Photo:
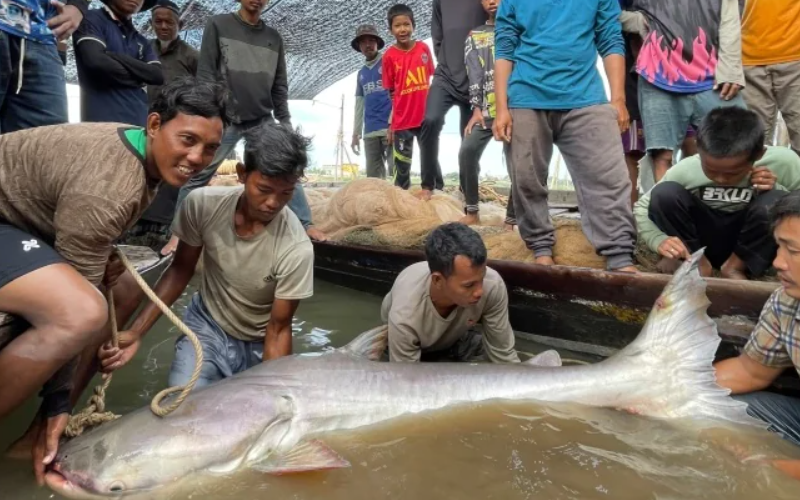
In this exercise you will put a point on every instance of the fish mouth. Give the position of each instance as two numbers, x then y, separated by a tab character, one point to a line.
70	488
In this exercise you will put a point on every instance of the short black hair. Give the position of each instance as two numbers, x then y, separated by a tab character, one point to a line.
276	150
450	240
785	208
190	96
400	9
731	131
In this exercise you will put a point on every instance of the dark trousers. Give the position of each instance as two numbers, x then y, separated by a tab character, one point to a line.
469	164
782	413
403	154
440	100
380	159
36	97
745	232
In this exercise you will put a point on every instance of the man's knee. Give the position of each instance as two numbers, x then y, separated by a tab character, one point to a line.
667	196
759	209
661	155
77	325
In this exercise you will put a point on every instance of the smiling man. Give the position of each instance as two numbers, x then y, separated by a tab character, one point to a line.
84	185
719	199
774	346
435	307
258	264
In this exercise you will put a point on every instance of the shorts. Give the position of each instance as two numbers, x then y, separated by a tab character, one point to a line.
633	138
22	254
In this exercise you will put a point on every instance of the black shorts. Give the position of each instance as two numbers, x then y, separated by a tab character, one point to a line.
22	253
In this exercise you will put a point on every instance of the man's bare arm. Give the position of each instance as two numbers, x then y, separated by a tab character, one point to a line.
278	340
743	375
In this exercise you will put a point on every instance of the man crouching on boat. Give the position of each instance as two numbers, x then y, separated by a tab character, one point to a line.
258	263
775	343
434	306
67	192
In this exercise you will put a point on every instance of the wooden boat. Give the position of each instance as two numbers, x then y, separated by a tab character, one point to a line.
146	261
581	310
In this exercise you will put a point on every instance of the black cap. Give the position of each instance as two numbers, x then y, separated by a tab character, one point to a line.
146	5
166	4
366	30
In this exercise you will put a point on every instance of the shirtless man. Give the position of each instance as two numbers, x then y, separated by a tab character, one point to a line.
83	186
434	306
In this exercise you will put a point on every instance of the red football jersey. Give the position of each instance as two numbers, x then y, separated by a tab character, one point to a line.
407	74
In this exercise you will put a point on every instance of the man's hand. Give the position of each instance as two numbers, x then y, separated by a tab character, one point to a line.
46	445
114	269
477	117
727	91
763	179
673	248
356	144
66	22
623	118
113	358
502	126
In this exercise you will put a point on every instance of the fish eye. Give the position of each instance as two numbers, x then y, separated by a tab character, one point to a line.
116	487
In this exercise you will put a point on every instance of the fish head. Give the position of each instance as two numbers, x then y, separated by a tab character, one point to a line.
119	461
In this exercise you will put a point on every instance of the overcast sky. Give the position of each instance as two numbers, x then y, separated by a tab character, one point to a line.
321	122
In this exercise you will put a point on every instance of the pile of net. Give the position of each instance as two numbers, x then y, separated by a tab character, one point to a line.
374	212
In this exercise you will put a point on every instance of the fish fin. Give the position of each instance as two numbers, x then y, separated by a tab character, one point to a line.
549	358
307	456
675	351
369	344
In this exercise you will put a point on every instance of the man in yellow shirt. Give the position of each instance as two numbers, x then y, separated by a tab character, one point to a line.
771	57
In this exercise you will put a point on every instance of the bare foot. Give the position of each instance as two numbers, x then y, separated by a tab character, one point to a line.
509	227
425	194
170	247
545	260
627	269
668	266
471	219
315	234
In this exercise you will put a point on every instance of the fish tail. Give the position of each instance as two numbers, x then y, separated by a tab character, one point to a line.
676	350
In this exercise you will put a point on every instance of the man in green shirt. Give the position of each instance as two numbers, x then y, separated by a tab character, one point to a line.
720	198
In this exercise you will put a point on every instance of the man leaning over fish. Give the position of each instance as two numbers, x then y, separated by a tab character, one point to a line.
434	307
258	265
774	345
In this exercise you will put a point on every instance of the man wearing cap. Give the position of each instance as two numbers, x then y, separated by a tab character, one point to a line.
373	105
177	57
115	63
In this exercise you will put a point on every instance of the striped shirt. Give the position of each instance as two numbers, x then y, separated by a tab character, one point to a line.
775	342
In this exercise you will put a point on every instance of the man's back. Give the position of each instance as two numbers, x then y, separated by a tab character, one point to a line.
251	61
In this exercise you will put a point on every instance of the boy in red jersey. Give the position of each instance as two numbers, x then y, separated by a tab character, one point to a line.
407	69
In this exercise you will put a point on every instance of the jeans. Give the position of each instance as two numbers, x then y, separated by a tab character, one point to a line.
37	96
223	355
782	413
233	134
440	100
380	157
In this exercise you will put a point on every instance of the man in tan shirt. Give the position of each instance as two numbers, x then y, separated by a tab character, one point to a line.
434	307
258	264
67	192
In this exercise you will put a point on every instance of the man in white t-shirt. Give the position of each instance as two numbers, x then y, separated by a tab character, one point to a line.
435	307
258	265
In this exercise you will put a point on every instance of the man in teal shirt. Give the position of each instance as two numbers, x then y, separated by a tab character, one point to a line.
720	198
548	91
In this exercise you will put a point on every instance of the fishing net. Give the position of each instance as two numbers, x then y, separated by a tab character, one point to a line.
374	212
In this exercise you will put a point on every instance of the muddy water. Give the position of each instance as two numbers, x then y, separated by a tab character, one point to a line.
503	451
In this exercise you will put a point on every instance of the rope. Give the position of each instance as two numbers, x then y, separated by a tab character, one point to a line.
94	414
